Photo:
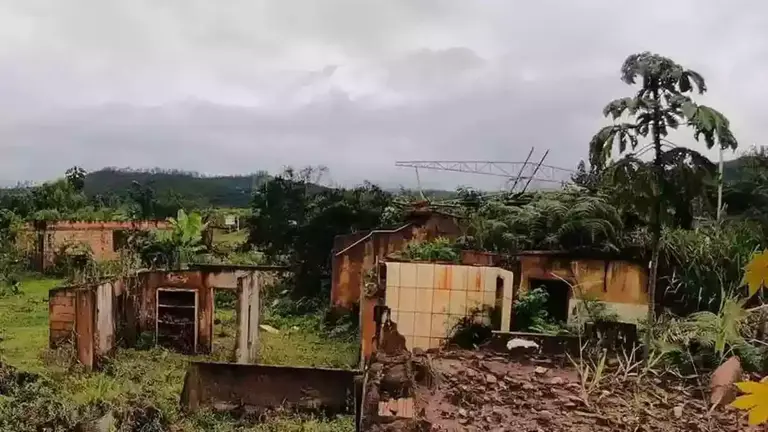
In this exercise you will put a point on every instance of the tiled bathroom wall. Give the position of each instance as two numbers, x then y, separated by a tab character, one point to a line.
428	300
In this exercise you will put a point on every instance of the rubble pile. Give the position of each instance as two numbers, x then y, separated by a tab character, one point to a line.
481	391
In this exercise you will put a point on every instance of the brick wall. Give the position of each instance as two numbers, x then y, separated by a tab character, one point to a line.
98	236
61	315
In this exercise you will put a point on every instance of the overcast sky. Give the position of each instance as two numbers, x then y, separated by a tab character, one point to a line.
239	86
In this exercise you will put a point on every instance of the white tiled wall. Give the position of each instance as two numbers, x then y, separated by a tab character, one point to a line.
427	300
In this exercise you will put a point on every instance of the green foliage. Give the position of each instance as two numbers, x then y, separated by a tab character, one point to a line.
439	249
661	104
531	310
689	180
184	240
140	387
566	220
705	339
698	264
75	176
294	222
745	193
173	188
591	310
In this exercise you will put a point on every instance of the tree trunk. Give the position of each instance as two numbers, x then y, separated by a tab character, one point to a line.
655	222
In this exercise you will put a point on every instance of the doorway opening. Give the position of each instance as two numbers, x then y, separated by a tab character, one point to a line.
558	296
224	324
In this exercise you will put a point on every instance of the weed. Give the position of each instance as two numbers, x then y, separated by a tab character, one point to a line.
474	329
591	372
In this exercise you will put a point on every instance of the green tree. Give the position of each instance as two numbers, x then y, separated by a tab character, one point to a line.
661	104
294	221
76	178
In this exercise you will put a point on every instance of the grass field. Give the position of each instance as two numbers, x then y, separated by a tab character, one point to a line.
154	376
233	238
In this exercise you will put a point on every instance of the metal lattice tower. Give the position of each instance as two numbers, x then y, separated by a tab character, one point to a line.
520	175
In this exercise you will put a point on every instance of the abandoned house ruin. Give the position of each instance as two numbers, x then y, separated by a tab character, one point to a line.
354	255
43	240
174	308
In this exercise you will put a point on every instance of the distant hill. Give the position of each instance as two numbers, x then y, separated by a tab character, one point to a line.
733	169
214	191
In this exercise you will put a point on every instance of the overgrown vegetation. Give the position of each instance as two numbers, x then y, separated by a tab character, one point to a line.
661	211
439	249
138	387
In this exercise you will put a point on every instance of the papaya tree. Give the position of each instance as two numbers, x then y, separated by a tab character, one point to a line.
642	122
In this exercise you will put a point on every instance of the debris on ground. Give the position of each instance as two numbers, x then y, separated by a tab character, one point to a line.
722	388
484	391
269	329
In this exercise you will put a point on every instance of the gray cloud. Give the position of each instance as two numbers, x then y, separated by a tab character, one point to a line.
241	85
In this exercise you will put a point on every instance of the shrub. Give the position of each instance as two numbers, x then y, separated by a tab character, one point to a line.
439	249
531	310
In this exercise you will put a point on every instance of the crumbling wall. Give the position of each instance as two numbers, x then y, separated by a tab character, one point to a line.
61	316
100	315
43	240
84	315
428	300
146	301
389	400
356	254
622	285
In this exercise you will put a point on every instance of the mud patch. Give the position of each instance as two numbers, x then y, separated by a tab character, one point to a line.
480	391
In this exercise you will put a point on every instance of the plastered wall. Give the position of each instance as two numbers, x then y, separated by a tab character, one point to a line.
621	285
427	300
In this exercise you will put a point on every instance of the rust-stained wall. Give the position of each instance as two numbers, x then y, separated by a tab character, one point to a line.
427	300
85	315
99	315
146	297
355	254
622	285
267	387
42	241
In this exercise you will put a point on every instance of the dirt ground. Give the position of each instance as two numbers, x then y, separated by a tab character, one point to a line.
484	391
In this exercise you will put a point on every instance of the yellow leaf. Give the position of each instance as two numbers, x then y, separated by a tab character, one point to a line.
755	400
756	272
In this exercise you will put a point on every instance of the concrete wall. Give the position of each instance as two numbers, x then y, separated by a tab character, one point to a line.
267	387
622	285
428	300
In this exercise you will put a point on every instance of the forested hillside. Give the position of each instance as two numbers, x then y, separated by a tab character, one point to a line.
197	190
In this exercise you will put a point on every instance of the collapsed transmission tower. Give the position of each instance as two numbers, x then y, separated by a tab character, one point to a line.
520	175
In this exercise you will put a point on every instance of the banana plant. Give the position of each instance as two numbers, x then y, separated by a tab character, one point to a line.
184	239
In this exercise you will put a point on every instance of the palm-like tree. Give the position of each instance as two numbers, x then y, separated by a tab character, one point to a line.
662	103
